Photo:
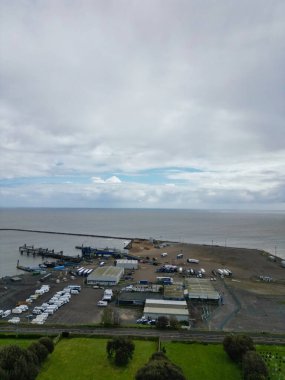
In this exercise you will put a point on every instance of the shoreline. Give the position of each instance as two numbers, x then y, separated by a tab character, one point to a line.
132	239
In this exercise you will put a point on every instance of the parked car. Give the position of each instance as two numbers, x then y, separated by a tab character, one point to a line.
102	303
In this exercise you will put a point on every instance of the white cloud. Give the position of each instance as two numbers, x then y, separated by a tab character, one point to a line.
113	179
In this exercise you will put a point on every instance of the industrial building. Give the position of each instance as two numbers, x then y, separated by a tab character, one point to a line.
157	308
136	298
174	292
200	289
105	276
127	264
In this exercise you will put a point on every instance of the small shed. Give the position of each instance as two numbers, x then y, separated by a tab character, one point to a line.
105	276
127	264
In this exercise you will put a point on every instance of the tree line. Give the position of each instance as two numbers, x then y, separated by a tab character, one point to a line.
241	349
17	363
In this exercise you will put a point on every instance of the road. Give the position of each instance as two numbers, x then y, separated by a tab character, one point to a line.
177	335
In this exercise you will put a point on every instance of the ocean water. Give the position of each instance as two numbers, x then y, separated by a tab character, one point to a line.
261	230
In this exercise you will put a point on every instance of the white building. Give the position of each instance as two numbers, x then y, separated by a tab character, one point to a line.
105	276
127	264
156	308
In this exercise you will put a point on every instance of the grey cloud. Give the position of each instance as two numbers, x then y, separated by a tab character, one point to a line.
130	85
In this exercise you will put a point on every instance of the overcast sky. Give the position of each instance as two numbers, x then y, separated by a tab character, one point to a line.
143	103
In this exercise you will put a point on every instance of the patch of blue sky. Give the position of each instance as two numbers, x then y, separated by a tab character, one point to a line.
21	181
148	176
156	175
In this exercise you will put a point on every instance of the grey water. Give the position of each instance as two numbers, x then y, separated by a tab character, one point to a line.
248	229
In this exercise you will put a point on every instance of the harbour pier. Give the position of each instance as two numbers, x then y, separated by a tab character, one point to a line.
45	252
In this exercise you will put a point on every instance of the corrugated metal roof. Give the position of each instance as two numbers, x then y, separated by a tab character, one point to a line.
174	291
169	303
106	271
164	311
125	261
201	289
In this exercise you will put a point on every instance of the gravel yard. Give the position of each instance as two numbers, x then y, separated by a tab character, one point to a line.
249	303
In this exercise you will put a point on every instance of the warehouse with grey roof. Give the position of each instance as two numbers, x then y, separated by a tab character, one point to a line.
107	275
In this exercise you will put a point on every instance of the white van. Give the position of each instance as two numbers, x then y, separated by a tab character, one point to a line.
17	310
6	313
164	254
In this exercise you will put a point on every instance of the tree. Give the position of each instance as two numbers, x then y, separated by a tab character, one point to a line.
39	350
159	368
253	366
121	350
110	317
237	345
162	322
48	343
15	364
3	374
174	323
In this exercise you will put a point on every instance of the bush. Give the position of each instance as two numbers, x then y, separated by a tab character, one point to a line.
162	322
65	334
159	368
110	317
237	345
121	350
48	343
16	364
39	350
254	366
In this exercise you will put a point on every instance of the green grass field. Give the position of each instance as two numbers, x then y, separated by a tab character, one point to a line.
19	342
274	357
199	361
86	359
83	358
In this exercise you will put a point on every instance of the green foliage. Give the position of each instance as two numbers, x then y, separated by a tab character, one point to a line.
48	343
110	317
15	364
173	322
254	366
121	350
3	374
237	345
39	350
162	322
65	334
273	356
160	368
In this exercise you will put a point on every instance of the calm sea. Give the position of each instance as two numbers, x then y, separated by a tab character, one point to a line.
262	230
